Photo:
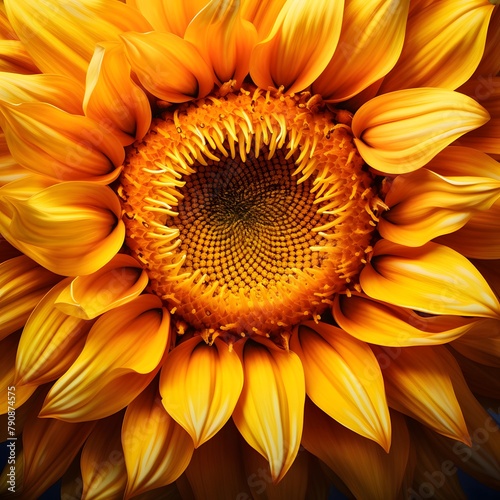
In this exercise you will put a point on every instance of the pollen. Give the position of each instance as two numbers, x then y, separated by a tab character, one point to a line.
249	210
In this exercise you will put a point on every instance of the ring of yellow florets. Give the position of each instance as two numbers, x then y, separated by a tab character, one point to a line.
210	199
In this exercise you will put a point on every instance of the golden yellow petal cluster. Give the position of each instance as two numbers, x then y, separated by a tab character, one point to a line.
249	248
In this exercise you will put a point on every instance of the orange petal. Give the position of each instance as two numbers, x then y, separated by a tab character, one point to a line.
60	91
485	138
418	384
262	14
112	98
200	385
10	170
23	283
431	278
490	63
385	324
51	341
221	457
172	16
219	29
401	131
49	448
365	468
480	237
424	205
51	142
113	367
102	462
8	347
60	36
157	450
269	413
70	228
369	46
15	59
343	379
168	66
118	282
443	46
299	47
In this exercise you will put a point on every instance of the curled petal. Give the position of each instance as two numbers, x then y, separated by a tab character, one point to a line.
302	41
49	447
63	146
60	91
365	468
116	283
262	14
112	362
168	66
418	384
200	386
70	228
50	342
157	450
15	59
8	347
60	35
171	16
480	237
399	132
219	29
431	278
424	205
23	284
102	463
269	413
112	98
344	380
443	46
369	46
385	324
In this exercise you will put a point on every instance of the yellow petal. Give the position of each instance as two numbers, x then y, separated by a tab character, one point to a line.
220	457
431	278
118	282
172	16
424	205
219	29
269	413
60	35
70	228
401	131
23	284
344	380
15	59
10	170
6	31
157	450
300	45
60	91
480	237
418	384
262	14
369	46
113	367
102	462
482	343
443	45
50	342
365	468
49	447
112	98
200	386
168	66
51	142
21	394
385	324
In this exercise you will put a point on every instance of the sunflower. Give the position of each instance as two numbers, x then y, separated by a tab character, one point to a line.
250	249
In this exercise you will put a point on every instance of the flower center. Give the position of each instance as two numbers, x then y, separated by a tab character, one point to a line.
249	210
